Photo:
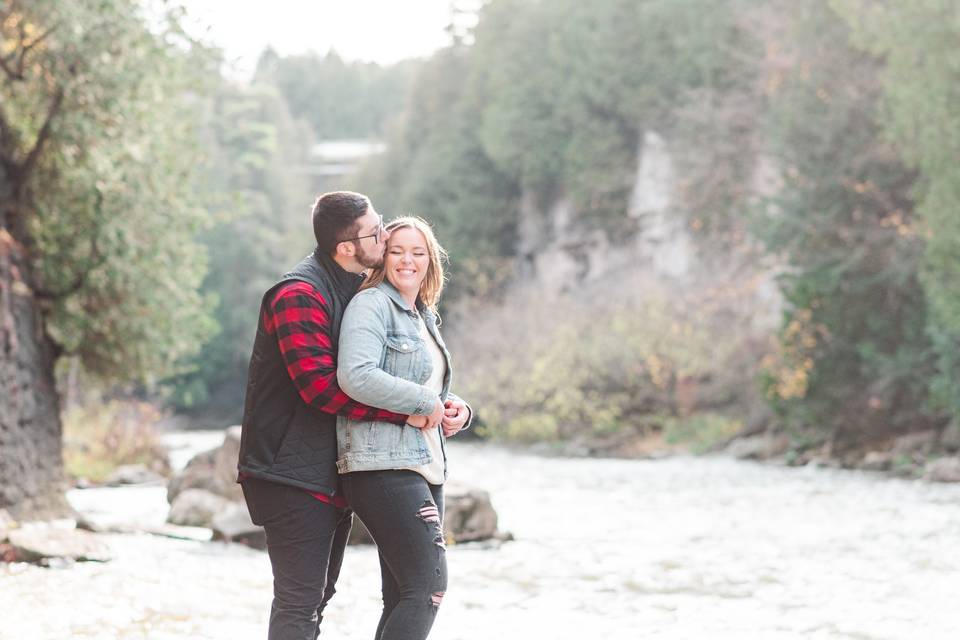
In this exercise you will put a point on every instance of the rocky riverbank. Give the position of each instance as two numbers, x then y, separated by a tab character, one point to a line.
672	548
931	455
205	503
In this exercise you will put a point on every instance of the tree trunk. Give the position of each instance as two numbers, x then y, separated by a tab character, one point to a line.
31	463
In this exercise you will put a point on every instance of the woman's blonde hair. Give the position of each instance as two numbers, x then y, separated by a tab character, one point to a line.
432	284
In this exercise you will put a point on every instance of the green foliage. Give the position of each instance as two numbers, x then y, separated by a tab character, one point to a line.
921	80
616	362
700	432
339	99
260	211
551	96
854	352
106	209
101	436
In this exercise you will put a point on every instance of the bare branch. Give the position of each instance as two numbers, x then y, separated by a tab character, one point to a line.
43	36
5	66
26	46
27	166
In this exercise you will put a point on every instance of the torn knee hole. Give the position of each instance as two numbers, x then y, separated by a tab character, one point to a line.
429	513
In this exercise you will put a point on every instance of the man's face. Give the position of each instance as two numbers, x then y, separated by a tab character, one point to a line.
371	242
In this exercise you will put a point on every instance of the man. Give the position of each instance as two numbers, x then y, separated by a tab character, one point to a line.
288	446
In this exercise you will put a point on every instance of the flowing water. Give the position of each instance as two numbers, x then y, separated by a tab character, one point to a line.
681	548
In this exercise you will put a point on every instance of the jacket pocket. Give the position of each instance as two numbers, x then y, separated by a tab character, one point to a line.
405	357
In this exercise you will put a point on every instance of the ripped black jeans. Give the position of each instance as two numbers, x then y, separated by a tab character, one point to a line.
404	514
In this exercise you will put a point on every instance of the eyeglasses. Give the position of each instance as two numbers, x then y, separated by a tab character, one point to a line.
375	235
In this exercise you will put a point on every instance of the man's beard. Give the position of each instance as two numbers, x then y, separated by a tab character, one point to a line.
368	261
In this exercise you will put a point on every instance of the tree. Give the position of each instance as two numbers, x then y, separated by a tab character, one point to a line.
921	91
260	209
97	259
856	357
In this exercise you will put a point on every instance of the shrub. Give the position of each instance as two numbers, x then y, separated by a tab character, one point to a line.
101	436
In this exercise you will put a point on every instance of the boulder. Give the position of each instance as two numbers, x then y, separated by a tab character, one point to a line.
760	447
6	524
133	474
225	461
214	471
468	514
198	474
197	508
921	442
950	437
877	461
205	494
359	533
234	525
42	542
943	470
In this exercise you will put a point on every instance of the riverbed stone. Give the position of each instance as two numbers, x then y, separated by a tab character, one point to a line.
214	470
943	470
42	542
225	462
197	508
920	443
359	533
197	474
950	437
877	461
133	474
6	524
468	514
759	447
234	525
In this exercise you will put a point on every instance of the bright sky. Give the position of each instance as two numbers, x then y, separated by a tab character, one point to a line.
383	31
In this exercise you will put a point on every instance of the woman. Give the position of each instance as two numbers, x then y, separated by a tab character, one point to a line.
391	353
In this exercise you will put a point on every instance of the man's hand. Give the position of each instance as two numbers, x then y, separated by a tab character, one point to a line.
428	421
455	415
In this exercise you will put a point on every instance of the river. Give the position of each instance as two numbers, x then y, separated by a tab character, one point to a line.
679	548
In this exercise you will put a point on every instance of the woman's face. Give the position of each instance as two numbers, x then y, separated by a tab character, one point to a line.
407	260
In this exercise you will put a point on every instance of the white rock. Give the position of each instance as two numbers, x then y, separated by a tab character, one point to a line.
38	542
197	508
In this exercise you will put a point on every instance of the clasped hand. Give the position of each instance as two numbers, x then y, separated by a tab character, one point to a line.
451	415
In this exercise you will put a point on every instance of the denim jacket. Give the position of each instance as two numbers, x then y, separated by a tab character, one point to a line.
383	362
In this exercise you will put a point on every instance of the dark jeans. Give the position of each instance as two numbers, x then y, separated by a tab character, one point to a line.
404	514
305	540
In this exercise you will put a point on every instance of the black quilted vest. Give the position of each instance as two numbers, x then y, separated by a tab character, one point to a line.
284	439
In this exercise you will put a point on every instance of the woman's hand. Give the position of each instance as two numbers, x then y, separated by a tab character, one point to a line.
428	421
420	422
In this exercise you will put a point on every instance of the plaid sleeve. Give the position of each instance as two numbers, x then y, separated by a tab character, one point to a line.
297	316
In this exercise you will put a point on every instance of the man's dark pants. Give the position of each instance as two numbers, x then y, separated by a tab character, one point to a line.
306	539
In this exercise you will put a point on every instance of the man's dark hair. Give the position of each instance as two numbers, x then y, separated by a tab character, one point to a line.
335	217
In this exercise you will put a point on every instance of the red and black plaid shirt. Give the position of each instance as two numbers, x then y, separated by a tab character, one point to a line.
297	315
